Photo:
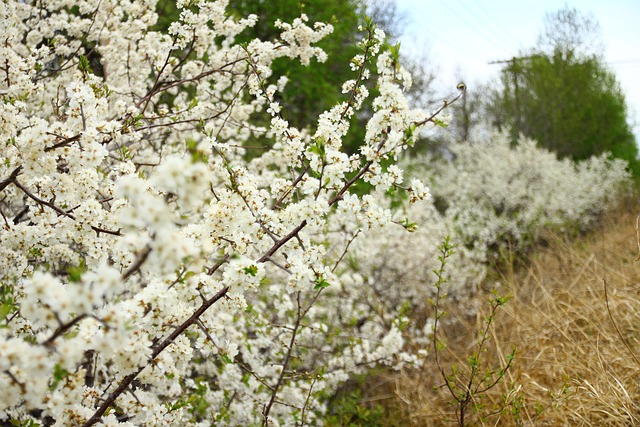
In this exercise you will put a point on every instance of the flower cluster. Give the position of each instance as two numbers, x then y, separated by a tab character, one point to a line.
152	273
497	195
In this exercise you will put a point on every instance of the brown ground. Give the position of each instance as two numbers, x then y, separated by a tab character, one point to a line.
578	349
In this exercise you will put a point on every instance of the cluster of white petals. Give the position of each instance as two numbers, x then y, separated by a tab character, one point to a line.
151	274
490	197
500	195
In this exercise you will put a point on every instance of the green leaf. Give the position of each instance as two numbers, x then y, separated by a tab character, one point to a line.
251	270
84	65
5	309
439	122
76	272
59	374
245	379
410	226
321	284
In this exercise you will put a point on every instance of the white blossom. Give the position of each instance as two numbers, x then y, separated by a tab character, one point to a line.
152	264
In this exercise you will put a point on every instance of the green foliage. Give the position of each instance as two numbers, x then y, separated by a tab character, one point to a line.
28	423
321	283
195	402
314	89
310	89
59	373
84	66
565	99
75	272
8	303
569	105
251	270
347	409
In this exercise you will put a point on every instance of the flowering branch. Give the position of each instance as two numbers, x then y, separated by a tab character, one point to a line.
156	149
126	381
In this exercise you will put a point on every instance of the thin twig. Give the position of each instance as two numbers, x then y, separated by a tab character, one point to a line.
62	329
137	264
346	249
59	210
6	222
64	141
285	364
293	185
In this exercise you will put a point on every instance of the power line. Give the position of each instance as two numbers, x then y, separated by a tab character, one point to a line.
624	61
493	22
483	31
616	62
513	60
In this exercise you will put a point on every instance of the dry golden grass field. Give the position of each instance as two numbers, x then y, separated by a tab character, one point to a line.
574	320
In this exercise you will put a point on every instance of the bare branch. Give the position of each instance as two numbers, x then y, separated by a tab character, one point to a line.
59	210
285	364
137	264
11	178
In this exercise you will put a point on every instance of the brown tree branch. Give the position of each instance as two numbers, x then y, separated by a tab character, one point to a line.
137	264
159	348
11	178
285	364
59	210
62	329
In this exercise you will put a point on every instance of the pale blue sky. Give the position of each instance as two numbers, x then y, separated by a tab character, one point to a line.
460	37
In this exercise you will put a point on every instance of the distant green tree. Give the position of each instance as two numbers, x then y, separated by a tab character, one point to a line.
566	99
312	90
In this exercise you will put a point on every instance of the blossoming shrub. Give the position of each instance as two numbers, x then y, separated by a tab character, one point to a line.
494	194
489	198
397	267
151	274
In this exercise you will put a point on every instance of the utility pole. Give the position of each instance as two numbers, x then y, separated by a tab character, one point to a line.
515	70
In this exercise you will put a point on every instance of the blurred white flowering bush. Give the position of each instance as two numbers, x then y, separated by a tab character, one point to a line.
489	197
150	274
495	195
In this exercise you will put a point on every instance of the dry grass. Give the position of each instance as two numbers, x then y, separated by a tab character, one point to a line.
578	349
